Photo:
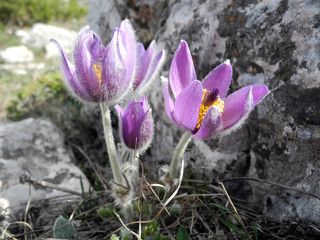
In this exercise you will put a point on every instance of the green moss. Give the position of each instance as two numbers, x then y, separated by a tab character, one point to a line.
8	40
34	93
46	86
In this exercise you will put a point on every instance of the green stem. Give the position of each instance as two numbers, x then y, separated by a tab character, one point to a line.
181	147
111	147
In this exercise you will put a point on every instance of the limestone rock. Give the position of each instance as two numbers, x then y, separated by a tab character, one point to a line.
103	18
17	54
275	43
40	34
21	68
36	148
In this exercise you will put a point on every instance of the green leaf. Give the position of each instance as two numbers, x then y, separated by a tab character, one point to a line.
125	234
224	209
151	229
255	232
220	207
63	229
182	234
106	212
114	237
81	184
228	223
175	209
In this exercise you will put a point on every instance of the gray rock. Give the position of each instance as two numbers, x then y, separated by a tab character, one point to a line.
17	54
275	43
36	148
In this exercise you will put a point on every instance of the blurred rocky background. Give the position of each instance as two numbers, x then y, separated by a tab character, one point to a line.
276	43
37	117
271	42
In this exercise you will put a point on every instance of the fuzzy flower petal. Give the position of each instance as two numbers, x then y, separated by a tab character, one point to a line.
182	71
70	76
118	67
101	74
149	63
219	78
202	107
83	62
144	59
211	125
239	104
169	104
187	105
136	124
153	69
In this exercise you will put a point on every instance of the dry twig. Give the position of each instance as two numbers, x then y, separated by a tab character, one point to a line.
271	183
24	178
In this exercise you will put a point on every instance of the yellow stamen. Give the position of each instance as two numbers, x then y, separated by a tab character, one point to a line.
98	71
206	104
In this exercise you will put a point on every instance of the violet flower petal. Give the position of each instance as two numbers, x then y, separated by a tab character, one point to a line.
119	110
143	63
136	124
129	128
83	63
140	51
112	69
239	104
182	70
258	93
187	105
169	104
153	69
133	117
211	125
127	50
70	76
97	51
146	132
154	66
118	64
219	78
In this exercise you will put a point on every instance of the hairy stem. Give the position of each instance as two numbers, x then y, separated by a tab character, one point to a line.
135	160
111	147
181	147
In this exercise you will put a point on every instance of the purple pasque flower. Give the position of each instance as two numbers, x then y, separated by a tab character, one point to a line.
202	107
100	74
136	124
148	64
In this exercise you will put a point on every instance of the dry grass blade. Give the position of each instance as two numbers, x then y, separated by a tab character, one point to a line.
26	211
235	210
157	196
179	185
140	226
4	231
161	210
125	226
75	209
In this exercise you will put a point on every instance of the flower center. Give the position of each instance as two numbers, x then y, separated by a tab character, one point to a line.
98	70
209	98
